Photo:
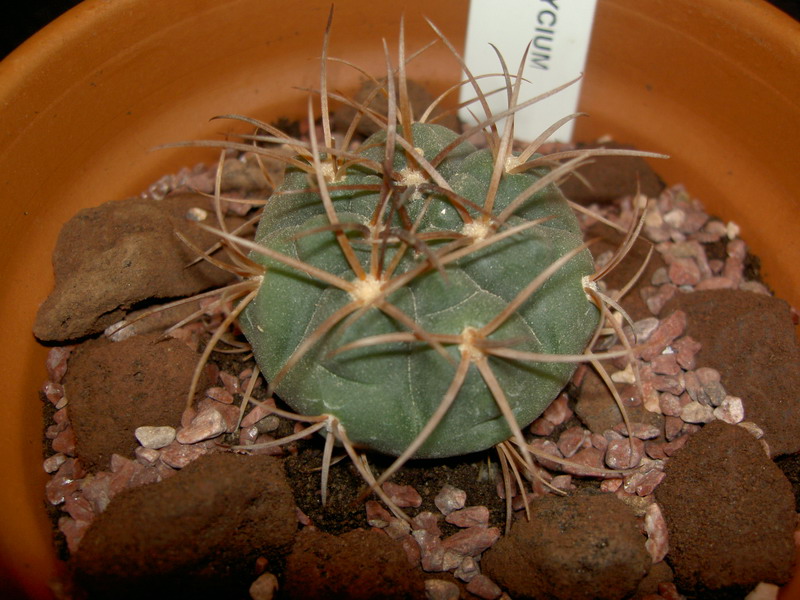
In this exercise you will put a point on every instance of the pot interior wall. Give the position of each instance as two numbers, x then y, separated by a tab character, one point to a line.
83	102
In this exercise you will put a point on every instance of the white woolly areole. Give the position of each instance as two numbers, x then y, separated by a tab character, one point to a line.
512	162
467	347
477	230
329	173
366	290
412	177
590	284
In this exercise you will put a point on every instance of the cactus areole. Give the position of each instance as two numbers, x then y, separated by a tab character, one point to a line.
385	389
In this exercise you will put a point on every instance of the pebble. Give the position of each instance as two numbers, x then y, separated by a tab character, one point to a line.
643	431
220	394
684	271
467	570
178	455
667	331
154	437
753	429
625	453
610	485
644	328
52	463
146	456
686	349
264	588
542	427
730	410
666	364
546	447
79	508
694	388
694	412
645	481
473	516
626	375
599	441
54	392
64	442
56	362
707	375
571	440
248	436
667	383
73	531
563	482
411	548
431	553
559	411
672	447
715	392
258	412
587	457
670	404
230	415
397	529
657	544
715	283
208	423
439	589
230	382
377	515
472	540
428	521
655	450
672	427
450	499
403	496
483	587
658	299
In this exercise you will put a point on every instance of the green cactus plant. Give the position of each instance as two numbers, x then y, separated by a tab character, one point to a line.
384	394
418	296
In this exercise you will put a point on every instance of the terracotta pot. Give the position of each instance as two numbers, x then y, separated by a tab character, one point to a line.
82	102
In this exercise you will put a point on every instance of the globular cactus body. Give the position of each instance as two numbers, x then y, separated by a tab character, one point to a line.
384	393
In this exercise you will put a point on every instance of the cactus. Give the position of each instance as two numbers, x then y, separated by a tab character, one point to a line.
384	393
417	296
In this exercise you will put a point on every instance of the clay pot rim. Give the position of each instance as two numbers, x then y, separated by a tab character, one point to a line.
47	58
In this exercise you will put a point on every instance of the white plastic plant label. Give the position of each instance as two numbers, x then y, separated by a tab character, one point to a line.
559	32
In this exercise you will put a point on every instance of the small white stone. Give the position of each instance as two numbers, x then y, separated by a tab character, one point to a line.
625	376
264	587
694	412
196	214
675	218
731	410
154	437
732	230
